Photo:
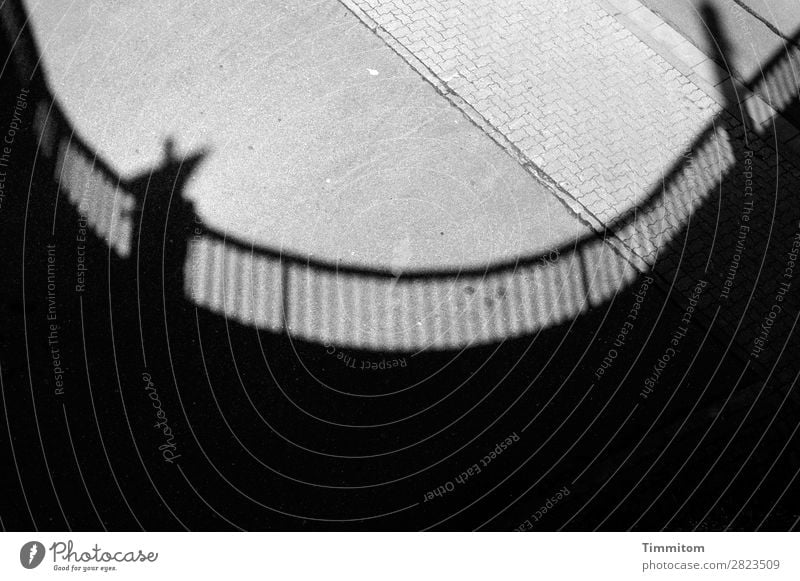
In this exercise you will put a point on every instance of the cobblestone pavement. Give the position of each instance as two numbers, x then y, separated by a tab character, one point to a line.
634	145
582	97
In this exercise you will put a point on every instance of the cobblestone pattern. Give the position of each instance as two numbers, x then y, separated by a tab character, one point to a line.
640	147
581	96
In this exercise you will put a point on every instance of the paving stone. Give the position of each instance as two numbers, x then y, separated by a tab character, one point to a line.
758	110
667	35
711	72
689	53
645	18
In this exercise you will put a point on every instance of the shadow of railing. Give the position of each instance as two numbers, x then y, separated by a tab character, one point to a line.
272	416
372	308
779	80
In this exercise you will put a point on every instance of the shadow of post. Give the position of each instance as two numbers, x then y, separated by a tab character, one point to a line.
723	52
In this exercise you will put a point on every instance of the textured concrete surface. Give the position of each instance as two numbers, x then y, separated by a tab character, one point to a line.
322	140
782	14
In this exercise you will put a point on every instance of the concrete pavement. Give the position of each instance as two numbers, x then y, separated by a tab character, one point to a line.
323	142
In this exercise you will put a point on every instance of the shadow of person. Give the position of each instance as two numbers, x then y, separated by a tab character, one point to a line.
164	221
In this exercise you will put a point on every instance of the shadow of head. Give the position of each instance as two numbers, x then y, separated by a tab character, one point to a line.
164	186
160	192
